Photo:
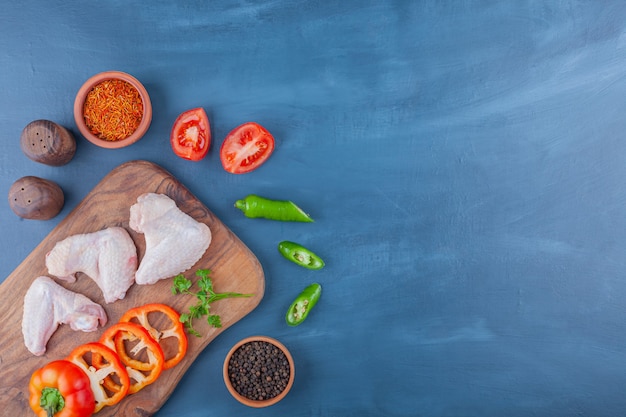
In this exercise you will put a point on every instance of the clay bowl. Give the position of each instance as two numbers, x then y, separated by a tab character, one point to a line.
263	348
79	104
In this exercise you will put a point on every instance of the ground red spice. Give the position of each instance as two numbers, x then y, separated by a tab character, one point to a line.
113	110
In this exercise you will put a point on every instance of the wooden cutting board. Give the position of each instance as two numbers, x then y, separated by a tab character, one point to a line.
234	268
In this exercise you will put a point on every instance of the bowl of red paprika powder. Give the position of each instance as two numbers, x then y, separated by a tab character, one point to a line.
259	371
112	110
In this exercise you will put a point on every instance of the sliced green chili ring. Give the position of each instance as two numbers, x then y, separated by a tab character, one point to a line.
300	255
302	305
254	206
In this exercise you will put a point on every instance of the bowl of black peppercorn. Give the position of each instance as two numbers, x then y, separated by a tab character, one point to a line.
258	371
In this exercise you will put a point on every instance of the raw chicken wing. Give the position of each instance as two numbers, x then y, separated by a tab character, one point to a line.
47	304
108	256
174	240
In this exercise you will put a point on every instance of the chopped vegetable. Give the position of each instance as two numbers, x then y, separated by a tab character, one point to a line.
302	305
127	358
129	340
205	297
300	255
101	363
142	316
254	206
61	389
245	148
191	135
113	110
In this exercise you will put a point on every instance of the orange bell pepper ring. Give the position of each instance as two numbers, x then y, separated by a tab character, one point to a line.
148	316
129	340
109	366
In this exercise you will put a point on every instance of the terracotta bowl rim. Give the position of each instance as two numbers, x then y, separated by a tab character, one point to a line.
270	401
80	101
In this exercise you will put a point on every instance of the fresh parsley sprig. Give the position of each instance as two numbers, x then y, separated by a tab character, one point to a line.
205	297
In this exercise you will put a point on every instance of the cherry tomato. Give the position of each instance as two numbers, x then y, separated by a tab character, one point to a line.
245	148
191	135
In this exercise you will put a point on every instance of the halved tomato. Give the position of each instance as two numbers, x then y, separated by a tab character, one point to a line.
245	148
191	135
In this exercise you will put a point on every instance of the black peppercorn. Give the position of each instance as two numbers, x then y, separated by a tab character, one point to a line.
259	370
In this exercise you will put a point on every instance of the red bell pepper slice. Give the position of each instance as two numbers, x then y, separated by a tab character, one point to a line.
129	340
108	366
150	317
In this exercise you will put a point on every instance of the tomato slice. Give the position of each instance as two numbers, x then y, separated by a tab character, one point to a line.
148	316
191	135
245	148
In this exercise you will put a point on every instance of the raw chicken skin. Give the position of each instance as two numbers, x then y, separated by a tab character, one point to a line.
47	304
174	240
108	256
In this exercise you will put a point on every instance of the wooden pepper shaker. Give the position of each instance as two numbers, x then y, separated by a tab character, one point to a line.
48	143
36	198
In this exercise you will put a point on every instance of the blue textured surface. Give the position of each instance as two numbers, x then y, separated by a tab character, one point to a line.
464	162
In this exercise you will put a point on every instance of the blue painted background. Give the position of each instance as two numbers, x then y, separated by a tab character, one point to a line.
464	162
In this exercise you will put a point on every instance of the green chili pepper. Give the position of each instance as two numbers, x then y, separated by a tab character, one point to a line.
302	305
254	206
300	255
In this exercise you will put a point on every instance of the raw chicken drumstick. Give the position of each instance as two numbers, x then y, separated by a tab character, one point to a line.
174	240
47	304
